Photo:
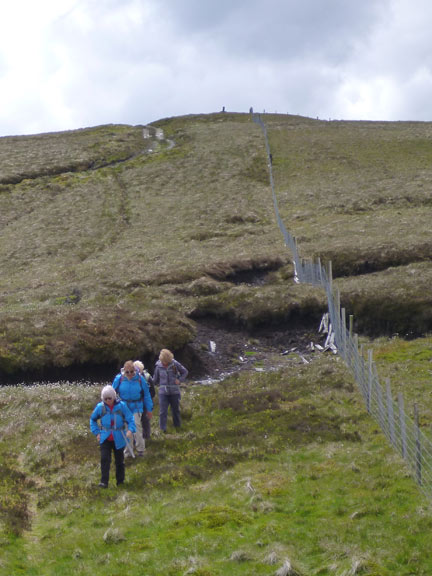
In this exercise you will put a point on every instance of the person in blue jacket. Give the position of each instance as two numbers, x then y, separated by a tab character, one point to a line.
112	423
133	389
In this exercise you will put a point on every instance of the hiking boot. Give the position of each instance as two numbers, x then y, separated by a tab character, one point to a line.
102	485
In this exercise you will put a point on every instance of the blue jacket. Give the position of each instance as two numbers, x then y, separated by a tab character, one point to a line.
112	422
135	392
165	377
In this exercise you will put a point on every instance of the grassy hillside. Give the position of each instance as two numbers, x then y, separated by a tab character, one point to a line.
359	194
113	245
270	471
102	263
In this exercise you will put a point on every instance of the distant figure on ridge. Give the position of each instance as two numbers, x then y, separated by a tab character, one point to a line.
168	375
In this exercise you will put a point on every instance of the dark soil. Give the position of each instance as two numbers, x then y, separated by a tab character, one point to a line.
218	351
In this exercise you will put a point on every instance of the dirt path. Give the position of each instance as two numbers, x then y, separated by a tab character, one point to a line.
217	351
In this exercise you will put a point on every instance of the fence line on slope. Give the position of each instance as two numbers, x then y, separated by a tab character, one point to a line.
402	432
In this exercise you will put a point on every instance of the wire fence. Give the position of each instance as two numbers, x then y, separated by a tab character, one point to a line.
402	432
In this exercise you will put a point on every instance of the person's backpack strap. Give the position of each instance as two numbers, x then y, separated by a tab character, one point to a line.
142	382
119	384
105	411
176	371
152	389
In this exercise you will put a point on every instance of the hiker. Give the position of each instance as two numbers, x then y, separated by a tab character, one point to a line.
111	433
145	421
133	389
167	375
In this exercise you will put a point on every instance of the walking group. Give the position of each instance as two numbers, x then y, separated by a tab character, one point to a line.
121	421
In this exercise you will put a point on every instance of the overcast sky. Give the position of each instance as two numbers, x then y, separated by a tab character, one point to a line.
67	64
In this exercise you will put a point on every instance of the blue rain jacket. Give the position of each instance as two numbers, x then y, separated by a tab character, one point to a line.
118	422
135	392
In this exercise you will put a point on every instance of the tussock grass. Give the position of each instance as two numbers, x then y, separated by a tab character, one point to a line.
100	225
358	194
99	244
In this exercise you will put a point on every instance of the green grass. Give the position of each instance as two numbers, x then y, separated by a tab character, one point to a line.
109	251
364	187
267	467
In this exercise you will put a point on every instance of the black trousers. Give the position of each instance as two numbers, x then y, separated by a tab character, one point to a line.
146	426
107	448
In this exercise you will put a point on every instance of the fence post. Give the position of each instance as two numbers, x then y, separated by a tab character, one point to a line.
402	426
381	417
344	335
363	373
418	446
370	378
350	349
351	325
337	318
390	413
320	271
357	361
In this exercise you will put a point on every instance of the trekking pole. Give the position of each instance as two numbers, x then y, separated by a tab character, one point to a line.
128	444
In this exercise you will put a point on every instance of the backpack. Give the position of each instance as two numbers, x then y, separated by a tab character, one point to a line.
105	411
150	385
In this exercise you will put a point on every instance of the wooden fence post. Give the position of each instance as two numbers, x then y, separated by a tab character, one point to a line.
370	379
344	335
402	426
357	361
320	271
381	417
390	413
418	446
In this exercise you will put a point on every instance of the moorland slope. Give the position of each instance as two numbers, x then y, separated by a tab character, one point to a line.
114	244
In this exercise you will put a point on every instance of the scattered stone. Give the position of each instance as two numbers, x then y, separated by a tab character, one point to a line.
286	570
239	556
271	559
113	536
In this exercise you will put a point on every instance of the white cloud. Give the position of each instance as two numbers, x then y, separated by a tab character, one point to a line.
72	63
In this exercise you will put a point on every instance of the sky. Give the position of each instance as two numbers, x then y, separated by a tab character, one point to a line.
68	64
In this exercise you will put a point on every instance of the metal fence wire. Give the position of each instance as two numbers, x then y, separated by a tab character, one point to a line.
402	432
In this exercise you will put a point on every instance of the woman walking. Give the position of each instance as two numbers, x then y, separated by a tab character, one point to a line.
116	427
134	391
168	375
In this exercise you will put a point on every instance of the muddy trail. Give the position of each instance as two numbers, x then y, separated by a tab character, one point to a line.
218	352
